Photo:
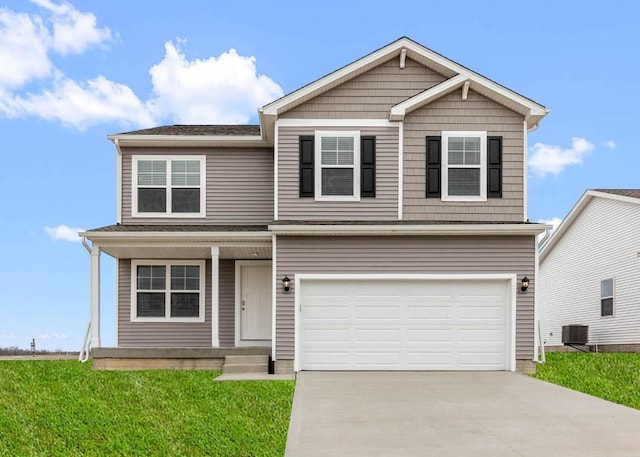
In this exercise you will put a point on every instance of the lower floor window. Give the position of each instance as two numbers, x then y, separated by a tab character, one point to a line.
168	291
606	297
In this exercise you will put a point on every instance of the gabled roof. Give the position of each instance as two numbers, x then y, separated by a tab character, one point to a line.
532	111
625	195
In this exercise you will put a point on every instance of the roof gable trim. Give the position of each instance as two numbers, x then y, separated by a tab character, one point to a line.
415	51
575	212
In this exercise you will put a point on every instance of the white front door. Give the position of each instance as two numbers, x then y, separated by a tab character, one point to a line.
254	304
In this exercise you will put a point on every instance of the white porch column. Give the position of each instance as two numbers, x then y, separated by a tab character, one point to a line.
95	297
215	296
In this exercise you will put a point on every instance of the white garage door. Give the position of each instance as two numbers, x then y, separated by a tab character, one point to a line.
396	324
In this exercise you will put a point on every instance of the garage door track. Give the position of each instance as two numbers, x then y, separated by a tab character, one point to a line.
453	414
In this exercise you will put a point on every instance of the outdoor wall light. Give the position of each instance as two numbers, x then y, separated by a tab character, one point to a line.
286	284
524	285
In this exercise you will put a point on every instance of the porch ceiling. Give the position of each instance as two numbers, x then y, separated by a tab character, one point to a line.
187	252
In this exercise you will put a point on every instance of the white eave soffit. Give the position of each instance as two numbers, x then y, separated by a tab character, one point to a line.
456	73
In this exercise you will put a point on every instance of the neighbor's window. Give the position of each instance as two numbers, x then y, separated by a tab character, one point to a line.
606	297
464	160
169	186
168	291
337	175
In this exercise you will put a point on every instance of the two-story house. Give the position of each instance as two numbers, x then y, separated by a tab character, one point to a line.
376	219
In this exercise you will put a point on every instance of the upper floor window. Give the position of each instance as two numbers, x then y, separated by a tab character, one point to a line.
337	175
606	297
464	166
164	291
168	186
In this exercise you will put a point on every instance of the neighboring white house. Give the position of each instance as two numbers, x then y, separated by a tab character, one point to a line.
590	270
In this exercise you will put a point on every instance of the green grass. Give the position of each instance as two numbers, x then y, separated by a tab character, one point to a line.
63	408
614	377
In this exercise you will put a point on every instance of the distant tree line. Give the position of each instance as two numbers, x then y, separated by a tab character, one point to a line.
15	350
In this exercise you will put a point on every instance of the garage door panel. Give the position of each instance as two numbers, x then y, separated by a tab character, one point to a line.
376	335
429	335
327	335
372	312
327	311
496	336
371	359
404	325
429	311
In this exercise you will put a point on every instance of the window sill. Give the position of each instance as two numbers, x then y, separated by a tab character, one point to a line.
464	199
170	215
183	320
338	199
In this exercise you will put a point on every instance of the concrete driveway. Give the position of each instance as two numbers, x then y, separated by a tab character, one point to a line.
453	414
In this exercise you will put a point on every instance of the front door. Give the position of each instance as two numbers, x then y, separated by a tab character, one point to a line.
255	302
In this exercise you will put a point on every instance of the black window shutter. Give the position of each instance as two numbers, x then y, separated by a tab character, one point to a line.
307	153
367	166
494	167
433	166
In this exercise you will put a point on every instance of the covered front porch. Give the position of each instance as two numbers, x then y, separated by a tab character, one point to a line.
186	296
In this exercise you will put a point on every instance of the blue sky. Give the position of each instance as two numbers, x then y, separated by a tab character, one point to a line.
71	73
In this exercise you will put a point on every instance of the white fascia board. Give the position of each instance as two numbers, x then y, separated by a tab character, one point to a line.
399	111
129	140
573	215
97	236
336	123
417	229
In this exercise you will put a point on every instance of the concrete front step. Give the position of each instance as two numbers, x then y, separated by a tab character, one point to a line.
235	359
245	368
234	364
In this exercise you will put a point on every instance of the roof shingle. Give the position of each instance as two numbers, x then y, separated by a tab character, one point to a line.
228	130
635	193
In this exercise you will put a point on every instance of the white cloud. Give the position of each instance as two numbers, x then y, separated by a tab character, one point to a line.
609	144
23	49
64	232
546	158
73	31
52	336
223	89
81	105
8	336
226	89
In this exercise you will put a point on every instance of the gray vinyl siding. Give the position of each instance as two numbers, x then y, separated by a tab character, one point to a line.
370	95
239	186
490	254
227	305
451	113
383	207
178	334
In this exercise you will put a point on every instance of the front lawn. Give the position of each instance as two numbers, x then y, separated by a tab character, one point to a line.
63	408
614	377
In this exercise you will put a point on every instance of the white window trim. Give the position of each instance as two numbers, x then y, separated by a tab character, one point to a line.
318	166
167	264
168	159
613	298
445	167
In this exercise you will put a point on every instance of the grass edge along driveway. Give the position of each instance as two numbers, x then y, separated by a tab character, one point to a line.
611	376
61	408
